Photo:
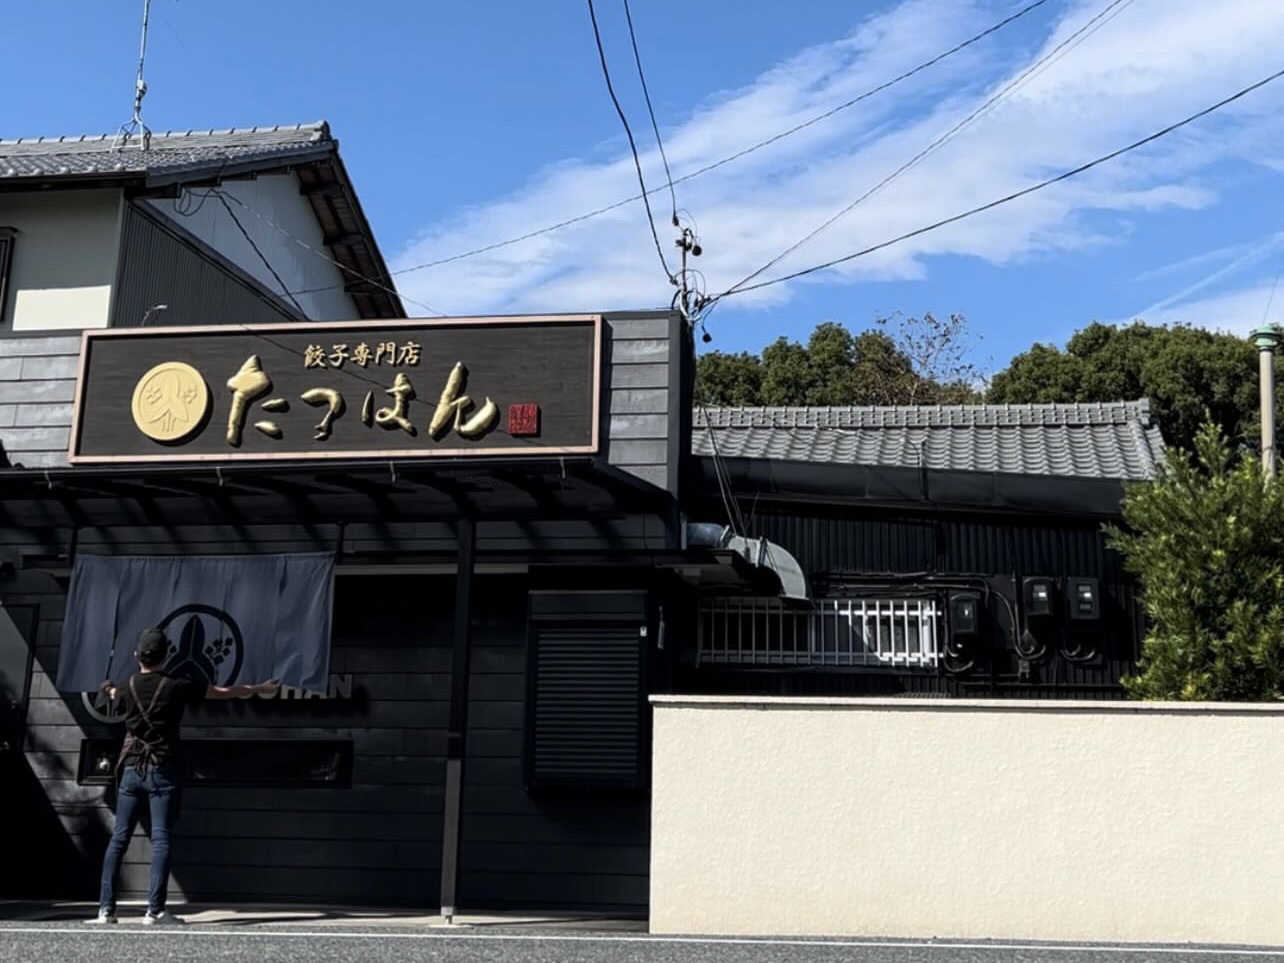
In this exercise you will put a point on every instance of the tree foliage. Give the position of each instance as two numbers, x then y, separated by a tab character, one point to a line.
1189	374
901	361
1206	542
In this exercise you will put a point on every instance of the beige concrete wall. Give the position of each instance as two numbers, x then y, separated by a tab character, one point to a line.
64	258
981	819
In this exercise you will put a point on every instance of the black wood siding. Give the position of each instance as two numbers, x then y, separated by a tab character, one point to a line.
378	842
159	265
527	850
842	549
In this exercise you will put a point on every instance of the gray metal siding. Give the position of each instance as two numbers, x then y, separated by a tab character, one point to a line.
640	355
37	386
159	265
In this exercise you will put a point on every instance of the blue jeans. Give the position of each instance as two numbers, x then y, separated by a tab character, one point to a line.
159	789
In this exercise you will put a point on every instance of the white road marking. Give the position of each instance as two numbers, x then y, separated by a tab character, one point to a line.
1124	948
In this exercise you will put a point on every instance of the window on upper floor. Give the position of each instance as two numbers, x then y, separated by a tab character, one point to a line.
7	235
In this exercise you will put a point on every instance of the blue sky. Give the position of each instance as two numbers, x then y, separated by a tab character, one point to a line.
466	123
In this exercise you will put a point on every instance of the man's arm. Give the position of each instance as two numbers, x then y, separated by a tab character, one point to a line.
241	691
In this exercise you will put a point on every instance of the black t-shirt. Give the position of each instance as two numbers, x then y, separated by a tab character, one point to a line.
165	698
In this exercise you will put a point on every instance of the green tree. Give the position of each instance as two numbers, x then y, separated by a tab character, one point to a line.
1205	540
1189	374
730	379
901	361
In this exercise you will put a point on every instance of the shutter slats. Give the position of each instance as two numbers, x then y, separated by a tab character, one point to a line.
588	705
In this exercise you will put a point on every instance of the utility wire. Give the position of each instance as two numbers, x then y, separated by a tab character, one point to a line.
225	197
285	289
767	142
637	57
633	147
1013	196
1114	8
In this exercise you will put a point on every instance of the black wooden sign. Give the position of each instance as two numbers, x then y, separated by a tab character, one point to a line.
388	389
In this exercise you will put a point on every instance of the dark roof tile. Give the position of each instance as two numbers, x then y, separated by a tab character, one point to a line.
171	152
1086	440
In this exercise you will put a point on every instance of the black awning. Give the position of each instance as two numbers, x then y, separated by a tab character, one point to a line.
502	490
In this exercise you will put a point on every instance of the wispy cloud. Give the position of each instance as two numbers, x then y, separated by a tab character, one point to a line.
1154	62
1236	311
1246	257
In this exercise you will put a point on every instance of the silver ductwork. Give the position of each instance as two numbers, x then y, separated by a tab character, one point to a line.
761	553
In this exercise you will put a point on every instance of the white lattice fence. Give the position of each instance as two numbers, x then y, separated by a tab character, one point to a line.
866	632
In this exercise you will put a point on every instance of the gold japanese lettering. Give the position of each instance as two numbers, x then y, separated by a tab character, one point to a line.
480	423
361	354
453	405
367	410
386	349
314	356
325	396
247	384
409	354
395	417
269	428
449	402
338	355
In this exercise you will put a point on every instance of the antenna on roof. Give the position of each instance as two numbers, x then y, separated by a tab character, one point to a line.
136	125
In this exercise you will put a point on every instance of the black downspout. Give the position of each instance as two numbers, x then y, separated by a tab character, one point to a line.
467	543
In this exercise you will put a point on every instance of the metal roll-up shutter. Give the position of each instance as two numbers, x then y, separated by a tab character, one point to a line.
587	691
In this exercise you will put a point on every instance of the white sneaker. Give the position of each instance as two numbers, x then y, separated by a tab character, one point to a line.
163	918
104	918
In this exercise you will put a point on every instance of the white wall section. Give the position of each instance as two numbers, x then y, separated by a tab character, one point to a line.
968	819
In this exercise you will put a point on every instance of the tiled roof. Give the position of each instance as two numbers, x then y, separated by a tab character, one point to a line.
171	152
1090	440
180	157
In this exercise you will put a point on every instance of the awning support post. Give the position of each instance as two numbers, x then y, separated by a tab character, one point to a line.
450	836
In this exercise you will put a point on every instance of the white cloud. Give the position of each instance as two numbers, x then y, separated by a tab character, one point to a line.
1153	63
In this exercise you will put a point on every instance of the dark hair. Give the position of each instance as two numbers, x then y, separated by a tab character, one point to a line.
152	648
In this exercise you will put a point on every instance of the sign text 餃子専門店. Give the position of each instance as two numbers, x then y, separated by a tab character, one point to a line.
400	389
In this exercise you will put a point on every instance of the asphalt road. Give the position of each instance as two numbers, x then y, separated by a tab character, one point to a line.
61	943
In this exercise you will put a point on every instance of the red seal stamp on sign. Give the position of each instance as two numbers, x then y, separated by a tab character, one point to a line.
523	420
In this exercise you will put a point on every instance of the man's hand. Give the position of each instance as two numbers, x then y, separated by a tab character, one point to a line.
243	690
107	689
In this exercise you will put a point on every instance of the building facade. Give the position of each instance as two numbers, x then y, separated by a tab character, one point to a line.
533	530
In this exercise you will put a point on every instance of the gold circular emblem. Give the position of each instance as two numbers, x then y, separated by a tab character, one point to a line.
170	401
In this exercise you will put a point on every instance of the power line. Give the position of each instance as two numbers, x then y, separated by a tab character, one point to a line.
633	147
262	257
637	57
1114	8
225	197
767	142
1013	196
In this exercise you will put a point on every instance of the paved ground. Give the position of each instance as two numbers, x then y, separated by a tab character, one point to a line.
55	934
